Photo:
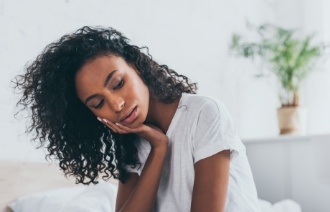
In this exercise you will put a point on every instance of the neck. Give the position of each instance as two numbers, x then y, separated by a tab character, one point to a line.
161	114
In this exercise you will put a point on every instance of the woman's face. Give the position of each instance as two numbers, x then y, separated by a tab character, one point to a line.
113	90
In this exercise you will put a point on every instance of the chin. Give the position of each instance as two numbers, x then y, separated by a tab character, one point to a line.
135	124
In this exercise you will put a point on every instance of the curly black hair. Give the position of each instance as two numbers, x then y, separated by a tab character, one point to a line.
84	147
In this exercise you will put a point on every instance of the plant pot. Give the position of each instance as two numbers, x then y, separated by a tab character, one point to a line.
292	120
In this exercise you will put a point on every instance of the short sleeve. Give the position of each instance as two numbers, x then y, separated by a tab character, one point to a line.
215	132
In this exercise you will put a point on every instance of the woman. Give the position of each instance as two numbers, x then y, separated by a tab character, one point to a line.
100	104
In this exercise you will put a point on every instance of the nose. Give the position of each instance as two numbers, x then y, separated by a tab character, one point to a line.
117	103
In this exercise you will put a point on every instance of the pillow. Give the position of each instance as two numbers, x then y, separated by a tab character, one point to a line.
286	205
99	198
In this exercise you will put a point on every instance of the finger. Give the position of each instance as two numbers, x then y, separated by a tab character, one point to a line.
115	127
124	128
106	123
112	127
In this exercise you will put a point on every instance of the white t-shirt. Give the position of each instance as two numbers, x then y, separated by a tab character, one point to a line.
200	128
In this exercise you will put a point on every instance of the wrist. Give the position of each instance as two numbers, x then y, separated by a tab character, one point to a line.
159	150
160	146
156	138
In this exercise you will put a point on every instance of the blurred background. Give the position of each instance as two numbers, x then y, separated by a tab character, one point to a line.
192	37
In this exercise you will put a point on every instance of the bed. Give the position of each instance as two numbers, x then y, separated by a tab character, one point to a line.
19	179
43	187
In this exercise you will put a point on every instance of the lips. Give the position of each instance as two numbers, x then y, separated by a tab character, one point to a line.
130	117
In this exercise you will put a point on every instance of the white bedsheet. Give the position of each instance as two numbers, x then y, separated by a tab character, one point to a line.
102	198
94	198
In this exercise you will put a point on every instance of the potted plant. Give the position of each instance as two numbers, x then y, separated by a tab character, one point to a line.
291	60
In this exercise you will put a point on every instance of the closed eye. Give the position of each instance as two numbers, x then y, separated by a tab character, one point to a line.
99	105
119	85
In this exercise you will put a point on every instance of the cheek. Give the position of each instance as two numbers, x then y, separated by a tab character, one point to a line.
142	92
104	112
138	88
144	98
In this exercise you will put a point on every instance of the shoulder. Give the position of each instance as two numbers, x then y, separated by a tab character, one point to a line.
204	112
212	112
204	104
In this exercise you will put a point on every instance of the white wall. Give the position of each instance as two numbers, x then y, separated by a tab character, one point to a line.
190	36
317	90
292	167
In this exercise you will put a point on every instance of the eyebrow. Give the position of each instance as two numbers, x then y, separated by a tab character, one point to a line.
105	84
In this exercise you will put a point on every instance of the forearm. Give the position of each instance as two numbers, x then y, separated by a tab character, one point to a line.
144	193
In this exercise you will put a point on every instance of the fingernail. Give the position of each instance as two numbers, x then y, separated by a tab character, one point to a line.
117	124
105	121
98	118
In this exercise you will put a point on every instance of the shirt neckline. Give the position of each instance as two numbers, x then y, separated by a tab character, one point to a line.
176	115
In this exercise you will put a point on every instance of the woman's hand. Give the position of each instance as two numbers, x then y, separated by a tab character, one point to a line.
140	195
151	133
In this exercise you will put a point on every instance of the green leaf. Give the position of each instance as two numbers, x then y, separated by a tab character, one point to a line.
291	59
